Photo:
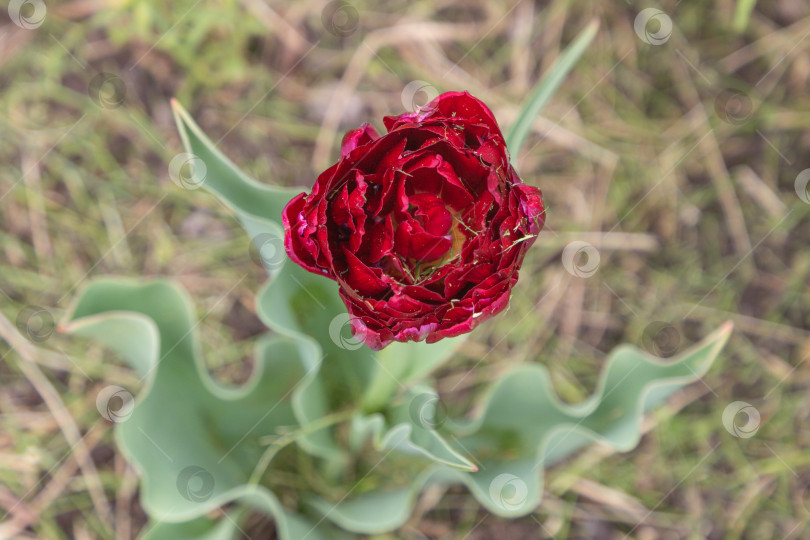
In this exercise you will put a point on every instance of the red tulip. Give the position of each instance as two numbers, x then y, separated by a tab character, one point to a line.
424	228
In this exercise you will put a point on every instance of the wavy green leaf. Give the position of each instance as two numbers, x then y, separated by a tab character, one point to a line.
203	528
194	442
525	427
255	204
303	306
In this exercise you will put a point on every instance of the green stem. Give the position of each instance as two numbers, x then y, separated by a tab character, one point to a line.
383	386
279	442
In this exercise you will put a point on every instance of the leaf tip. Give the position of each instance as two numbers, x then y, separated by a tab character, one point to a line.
725	329
178	110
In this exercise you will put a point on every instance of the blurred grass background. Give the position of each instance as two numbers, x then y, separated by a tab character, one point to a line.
678	162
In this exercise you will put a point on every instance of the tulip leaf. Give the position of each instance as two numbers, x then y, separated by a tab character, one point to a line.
253	202
203	528
199	445
412	425
524	428
519	130
400	364
302	305
296	302
194	442
230	527
186	426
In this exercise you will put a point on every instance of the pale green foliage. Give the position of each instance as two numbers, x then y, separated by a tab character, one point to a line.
306	385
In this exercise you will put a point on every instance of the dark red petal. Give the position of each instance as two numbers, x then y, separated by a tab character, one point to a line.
399	269
413	243
415	333
432	174
357	203
340	207
447	107
381	239
467	170
470	274
361	278
407	306
358	137
363	325
297	243
431	213
320	222
463	105
531	206
423	295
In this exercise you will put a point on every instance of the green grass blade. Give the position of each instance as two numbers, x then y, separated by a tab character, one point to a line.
517	133
742	14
